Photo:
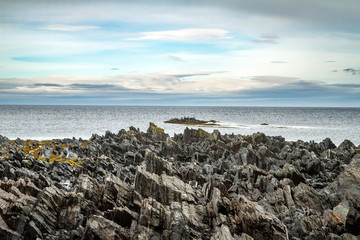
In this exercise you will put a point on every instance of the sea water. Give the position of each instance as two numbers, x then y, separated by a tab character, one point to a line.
49	122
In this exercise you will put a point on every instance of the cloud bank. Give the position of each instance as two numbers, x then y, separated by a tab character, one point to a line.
179	88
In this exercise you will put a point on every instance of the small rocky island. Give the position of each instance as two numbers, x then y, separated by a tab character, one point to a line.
191	121
195	185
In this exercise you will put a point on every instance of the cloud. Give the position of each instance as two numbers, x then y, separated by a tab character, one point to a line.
344	85
173	58
267	41
353	71
267	38
303	93
91	86
184	74
60	27
47	85
191	34
334	15
30	59
170	82
279	62
176	87
274	79
97	87
8	85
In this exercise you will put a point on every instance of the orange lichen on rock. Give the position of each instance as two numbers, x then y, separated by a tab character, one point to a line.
85	144
33	149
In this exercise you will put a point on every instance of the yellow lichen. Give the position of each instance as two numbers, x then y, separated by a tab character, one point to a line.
33	149
155	128
85	144
203	133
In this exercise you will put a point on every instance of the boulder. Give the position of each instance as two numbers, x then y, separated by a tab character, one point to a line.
306	196
165	189
97	227
255	221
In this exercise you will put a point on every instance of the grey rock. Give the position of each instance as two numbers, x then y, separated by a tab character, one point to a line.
98	227
195	185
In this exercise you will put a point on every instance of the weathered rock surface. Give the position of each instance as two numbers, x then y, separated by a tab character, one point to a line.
195	185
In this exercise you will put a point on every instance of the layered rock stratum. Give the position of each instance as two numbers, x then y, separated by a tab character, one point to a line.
195	185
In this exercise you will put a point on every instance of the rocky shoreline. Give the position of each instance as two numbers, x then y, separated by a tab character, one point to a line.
195	185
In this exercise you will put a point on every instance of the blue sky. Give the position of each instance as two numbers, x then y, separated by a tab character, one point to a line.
229	52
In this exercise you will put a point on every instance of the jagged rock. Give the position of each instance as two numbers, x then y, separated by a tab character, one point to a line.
90	188
255	221
121	215
98	227
191	135
164	188
306	196
156	133
158	165
333	236
349	236
222	232
7	233
289	171
288	197
304	225
116	193
349	181
244	236
196	185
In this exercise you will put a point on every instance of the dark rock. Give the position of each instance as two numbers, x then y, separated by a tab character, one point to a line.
196	185
121	216
165	189
256	222
156	133
306	196
349	236
98	227
191	121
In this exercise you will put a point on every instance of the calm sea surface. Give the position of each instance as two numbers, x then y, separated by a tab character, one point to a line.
48	122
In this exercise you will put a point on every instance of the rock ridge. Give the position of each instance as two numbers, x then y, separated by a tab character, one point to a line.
194	185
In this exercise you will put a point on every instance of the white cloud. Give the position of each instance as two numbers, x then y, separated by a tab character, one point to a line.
190	34
183	73
160	82
61	27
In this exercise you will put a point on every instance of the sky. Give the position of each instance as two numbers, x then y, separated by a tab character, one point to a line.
200	52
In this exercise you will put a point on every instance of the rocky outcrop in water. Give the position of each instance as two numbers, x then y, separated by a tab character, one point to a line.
195	185
191	121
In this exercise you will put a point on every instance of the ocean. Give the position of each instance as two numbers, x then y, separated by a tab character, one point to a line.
50	122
